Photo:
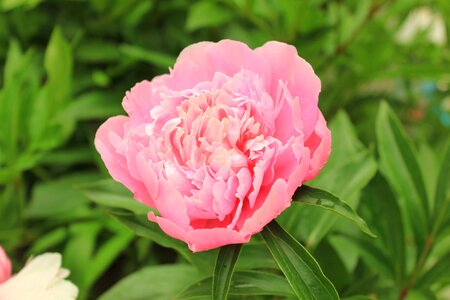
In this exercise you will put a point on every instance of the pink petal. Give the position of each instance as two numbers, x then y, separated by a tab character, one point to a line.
200	61
139	101
171	205
169	227
298	175
301	80
5	266
206	239
273	203
320	144
145	168
116	162
200	239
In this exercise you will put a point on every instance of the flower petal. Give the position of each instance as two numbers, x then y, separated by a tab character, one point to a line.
299	76
40	279
5	266
273	203
320	144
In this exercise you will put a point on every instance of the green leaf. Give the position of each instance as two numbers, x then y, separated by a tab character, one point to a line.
439	272
153	57
313	196
97	51
47	241
155	283
92	106
243	283
78	252
359	297
378	200
400	166
20	82
145	228
47	127
442	192
372	255
106	255
110	193
206	14
13	4
57	197
301	270
223	270
255	255
333	265
58	64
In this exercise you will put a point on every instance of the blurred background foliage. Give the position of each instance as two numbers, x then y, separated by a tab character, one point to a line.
67	64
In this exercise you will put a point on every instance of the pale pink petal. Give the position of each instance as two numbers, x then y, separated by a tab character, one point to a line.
320	145
148	176
114	160
299	76
206	239
140	100
199	62
169	227
272	204
170	204
298	175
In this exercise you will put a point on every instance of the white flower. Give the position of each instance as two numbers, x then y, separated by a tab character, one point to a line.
423	19
42	278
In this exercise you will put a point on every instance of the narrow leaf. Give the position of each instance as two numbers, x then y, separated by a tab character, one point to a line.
153	57
106	255
223	271
372	255
323	199
442	194
439	272
155	283
301	270
207	14
378	200
400	166
143	227
112	194
243	283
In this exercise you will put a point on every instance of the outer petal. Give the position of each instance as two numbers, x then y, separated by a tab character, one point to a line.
171	205
200	239
298	175
200	61
109	142
275	202
5	266
205	239
320	145
301	80
142	98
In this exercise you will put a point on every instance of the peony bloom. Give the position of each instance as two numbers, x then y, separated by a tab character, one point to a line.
219	145
41	279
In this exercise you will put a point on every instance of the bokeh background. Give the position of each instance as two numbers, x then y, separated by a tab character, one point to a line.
66	65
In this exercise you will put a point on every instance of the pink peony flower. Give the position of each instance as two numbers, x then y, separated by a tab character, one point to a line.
42	278
219	145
